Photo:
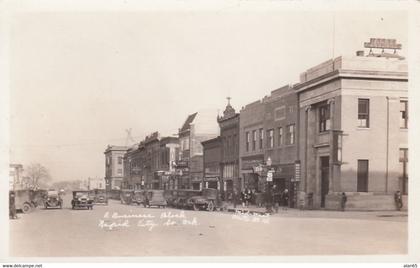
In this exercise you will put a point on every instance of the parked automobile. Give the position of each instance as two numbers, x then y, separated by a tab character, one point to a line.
53	200
155	198
24	200
81	199
208	200
139	197
126	196
99	196
182	196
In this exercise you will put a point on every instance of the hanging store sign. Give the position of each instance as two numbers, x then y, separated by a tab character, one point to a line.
297	171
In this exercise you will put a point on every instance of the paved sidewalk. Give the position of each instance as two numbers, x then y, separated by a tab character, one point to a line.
293	212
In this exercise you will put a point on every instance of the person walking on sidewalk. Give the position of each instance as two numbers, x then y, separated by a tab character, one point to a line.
235	197
285	197
398	200
343	201
276	198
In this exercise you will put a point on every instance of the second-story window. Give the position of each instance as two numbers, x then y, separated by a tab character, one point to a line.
324	118
290	135
261	137
270	138
254	139
363	113
404	114
280	136
119	160
247	140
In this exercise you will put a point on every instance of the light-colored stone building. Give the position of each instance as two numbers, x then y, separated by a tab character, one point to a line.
353	119
114	167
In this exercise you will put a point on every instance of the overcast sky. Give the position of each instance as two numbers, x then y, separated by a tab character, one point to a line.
78	80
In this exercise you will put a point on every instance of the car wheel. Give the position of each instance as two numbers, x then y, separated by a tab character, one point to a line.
195	207
210	206
26	208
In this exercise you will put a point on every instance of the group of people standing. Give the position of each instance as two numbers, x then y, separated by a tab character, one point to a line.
276	198
273	198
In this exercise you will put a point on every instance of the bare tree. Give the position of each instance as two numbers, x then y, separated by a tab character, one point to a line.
38	175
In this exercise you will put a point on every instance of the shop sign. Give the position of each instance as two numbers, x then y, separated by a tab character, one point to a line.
297	171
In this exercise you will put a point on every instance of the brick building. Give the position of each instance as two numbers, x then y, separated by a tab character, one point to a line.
150	164
197	127
353	131
268	141
229	138
212	159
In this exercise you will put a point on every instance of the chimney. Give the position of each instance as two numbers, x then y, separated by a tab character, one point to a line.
360	53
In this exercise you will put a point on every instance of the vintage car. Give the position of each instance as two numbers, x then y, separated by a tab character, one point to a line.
126	196
139	197
99	196
155	198
81	199
182	197
27	200
53	200
208	200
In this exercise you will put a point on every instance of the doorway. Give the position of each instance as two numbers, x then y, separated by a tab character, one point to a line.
325	178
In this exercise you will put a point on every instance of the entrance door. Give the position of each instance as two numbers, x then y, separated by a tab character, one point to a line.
325	178
362	175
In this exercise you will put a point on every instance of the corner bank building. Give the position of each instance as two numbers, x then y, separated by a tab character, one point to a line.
352	132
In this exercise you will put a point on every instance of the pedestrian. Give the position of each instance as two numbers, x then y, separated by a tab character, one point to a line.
398	200
276	198
269	199
248	196
343	201
234	197
12	205
285	197
243	199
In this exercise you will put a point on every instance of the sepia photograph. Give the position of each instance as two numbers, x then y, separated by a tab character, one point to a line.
231	130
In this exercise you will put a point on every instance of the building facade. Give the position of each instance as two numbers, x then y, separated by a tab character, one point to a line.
197	128
268	142
229	138
150	164
212	163
114	167
353	114
280	144
96	183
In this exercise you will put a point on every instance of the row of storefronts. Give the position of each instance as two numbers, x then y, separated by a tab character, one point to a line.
341	128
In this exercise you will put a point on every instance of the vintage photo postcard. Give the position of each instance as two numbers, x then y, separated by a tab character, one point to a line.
277	130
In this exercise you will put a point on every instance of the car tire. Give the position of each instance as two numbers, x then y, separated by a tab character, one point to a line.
26	208
196	208
210	206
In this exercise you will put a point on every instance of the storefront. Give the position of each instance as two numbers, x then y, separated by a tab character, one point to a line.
212	182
